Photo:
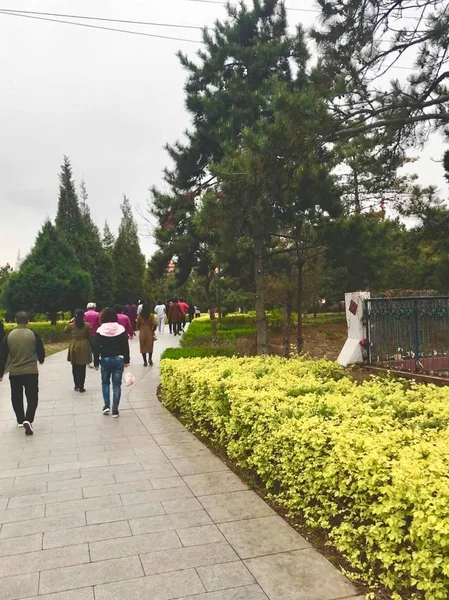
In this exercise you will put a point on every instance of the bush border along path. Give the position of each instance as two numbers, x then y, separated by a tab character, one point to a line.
368	462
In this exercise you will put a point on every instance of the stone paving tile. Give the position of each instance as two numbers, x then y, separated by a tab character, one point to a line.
4	503
69	578
136	544
224	576
117	488
123	513
80	482
73	506
165	522
5	474
157	587
303	575
161	483
19	514
80	594
235	506
23	528
45	477
156	495
10	492
264	535
84	464
89	533
193	465
29	543
184	449
206	484
183	505
43	559
111	470
20	586
173	438
47	498
252	592
196	536
185	558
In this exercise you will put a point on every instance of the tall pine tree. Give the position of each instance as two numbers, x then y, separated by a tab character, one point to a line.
129	262
108	239
69	219
99	261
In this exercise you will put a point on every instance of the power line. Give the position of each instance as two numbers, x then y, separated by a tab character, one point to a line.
141	33
90	18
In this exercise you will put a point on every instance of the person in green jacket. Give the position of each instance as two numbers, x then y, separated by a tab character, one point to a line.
80	350
19	354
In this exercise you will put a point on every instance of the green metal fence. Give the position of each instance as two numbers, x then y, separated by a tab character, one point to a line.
409	333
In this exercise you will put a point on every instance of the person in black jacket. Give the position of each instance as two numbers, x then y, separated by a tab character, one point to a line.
111	351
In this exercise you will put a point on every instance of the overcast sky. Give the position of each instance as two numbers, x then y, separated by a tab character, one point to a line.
109	101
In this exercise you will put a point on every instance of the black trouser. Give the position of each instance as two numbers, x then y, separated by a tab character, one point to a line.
176	327
79	375
170	326
31	385
144	356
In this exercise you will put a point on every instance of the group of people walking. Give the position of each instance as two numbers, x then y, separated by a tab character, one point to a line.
99	340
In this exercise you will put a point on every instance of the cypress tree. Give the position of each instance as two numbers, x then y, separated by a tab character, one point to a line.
69	219
108	239
129	262
98	261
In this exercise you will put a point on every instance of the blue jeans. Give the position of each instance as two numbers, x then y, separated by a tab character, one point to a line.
112	367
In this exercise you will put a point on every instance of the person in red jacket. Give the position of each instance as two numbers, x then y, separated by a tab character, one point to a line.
175	316
184	308
124	321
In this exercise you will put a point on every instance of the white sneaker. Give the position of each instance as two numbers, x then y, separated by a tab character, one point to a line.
19	424
91	365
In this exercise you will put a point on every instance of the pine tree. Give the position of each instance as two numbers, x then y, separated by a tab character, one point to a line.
108	239
99	262
50	278
84	207
69	219
129	262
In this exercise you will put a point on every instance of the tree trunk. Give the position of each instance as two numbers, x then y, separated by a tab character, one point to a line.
261	319
213	320
287	325
358	208
54	318
299	294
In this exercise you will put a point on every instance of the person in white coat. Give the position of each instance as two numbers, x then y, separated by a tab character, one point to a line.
161	313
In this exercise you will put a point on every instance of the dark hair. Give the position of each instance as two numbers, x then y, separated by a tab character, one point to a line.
145	312
180	300
108	315
79	318
160	302
118	308
22	318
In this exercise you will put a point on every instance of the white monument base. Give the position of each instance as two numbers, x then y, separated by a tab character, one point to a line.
352	351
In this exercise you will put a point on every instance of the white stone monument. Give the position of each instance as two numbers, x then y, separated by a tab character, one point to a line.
352	350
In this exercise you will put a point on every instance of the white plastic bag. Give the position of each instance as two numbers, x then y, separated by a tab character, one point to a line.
129	378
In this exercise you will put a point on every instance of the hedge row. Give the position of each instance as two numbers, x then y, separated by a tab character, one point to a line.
50	334
366	462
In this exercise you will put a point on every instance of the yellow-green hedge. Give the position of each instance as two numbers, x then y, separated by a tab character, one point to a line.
368	462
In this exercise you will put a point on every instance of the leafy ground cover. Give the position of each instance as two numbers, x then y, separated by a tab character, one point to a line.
366	462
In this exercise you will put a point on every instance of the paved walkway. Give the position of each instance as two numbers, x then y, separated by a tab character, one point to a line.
135	508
